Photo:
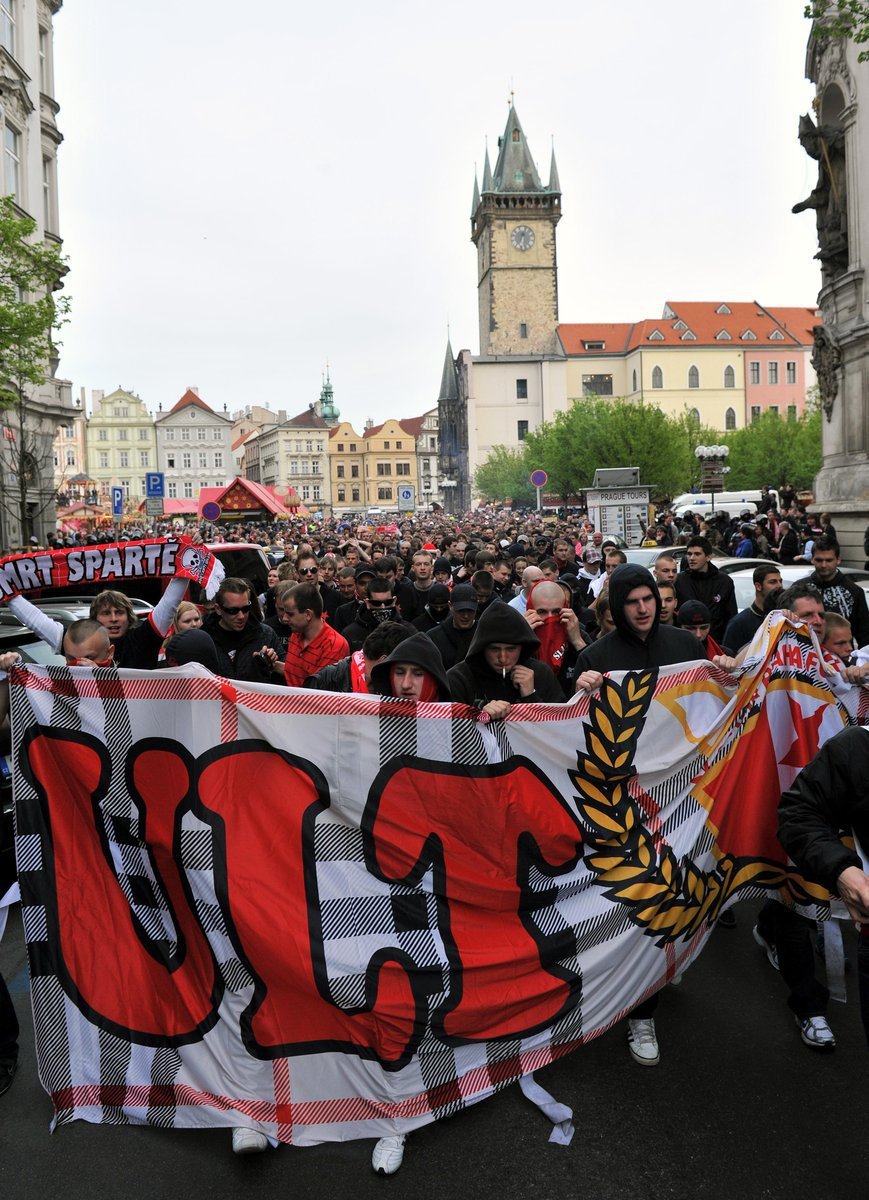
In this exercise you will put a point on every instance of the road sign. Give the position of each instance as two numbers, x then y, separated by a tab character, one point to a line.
211	510
154	485
153	506
406	497
117	501
539	478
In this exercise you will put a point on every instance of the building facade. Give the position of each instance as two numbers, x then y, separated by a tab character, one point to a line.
194	447
28	115
347	469
121	445
390	460
293	455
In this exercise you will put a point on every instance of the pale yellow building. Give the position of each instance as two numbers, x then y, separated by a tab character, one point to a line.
390	461
346	450
121	444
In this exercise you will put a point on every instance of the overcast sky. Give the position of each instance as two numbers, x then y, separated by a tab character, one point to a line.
250	192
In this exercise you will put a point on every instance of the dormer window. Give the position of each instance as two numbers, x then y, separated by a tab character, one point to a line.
680	325
594	345
723	336
515	136
688	336
776	336
723	310
656	336
748	336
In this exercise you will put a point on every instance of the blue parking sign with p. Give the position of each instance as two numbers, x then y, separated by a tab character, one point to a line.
154	485
117	501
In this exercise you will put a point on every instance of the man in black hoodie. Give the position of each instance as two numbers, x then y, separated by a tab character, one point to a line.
639	642
704	582
500	668
454	635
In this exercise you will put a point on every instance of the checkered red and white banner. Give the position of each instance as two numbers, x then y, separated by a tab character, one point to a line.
334	917
150	558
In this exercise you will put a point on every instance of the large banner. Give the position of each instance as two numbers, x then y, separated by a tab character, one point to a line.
337	916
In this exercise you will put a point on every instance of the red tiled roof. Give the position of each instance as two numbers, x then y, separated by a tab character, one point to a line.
308	419
244	490
614	336
239	440
412	425
801	322
191	398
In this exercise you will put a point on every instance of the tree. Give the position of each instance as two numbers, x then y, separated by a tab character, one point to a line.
841	18
774	451
505	476
614	433
30	314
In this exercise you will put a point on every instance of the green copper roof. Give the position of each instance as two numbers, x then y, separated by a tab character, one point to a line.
515	170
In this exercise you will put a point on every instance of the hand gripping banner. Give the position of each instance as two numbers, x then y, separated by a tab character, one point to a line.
152	558
333	917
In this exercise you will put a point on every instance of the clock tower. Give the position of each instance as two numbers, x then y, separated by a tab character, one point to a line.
513	223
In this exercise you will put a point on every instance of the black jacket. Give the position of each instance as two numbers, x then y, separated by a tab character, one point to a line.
712	588
335	677
474	682
235	652
452	643
742	628
830	795
357	631
418	650
848	600
622	649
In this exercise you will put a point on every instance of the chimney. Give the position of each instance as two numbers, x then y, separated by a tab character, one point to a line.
192	388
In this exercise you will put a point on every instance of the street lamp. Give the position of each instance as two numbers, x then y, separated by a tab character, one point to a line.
712	468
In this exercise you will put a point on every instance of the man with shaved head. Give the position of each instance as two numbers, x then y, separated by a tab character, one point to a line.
549	614
530	576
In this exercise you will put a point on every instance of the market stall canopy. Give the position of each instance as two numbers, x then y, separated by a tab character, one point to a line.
243	500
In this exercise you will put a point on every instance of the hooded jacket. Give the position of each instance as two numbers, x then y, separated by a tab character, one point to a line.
475	682
452	643
712	588
846	598
192	646
236	652
422	652
366	622
624	650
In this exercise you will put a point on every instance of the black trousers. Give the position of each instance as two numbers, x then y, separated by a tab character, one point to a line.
793	938
8	1026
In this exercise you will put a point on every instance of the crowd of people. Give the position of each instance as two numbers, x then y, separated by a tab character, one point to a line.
491	611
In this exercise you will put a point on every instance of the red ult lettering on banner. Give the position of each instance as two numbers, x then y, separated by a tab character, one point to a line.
483	832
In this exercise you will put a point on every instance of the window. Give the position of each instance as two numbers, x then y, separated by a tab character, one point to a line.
48	192
730	419
755	413
723	336
125	484
143	458
103	459
170	435
772	372
384	493
170	462
306	492
773	408
124	458
398	445
754	372
695	415
123	412
201	434
356	494
354	471
523	330
339	471
656	336
679	326
185	435
657	377
723	310
294	466
186	460
521	430
634	381
7	24
218	460
384	468
594	345
316	495
597	385
143	435
203	483
172	489
305	466
521	389
729	378
12	148
298	447
70	458
352	447
319	447
342	495
748	335
386	445
44	62
432	443
188	491
693	377
103	435
203	460
309	447
791	372
776	336
402	468
123	435
792	412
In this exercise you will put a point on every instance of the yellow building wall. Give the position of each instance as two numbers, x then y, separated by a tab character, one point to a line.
390	460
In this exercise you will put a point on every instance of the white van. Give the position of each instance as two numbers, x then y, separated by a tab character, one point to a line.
749	499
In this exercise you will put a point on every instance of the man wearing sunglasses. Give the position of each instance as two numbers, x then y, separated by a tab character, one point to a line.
246	648
379	605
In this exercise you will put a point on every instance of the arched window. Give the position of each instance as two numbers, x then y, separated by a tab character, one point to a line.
729	377
635	381
695	415
730	417
657	377
693	378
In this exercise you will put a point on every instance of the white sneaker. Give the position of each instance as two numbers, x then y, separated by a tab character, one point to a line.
642	1043
816	1033
249	1141
771	951
387	1154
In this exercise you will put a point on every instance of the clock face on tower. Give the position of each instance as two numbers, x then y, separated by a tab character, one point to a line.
522	237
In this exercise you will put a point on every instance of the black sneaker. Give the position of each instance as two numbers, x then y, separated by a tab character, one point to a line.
7	1074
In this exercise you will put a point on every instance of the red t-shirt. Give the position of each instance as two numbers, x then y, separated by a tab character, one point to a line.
301	661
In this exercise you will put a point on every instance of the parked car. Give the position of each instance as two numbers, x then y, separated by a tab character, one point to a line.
744	586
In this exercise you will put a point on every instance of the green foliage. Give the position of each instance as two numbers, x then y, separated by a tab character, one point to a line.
505	476
774	451
30	312
841	18
614	433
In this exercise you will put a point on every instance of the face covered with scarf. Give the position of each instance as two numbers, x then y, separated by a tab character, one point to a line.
548	598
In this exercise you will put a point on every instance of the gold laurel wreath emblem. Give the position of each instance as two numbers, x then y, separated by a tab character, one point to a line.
668	898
